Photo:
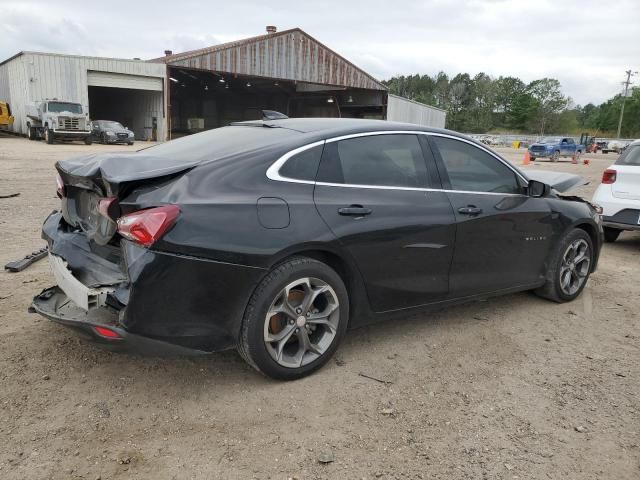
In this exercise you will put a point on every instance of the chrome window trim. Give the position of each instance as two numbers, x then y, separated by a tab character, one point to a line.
274	174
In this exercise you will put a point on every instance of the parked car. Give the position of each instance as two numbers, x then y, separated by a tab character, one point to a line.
555	147
615	146
274	236
619	194
108	131
6	119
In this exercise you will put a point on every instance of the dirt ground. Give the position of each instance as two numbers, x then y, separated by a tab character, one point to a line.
511	388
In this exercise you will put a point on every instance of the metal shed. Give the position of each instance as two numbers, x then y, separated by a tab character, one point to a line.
128	91
288	71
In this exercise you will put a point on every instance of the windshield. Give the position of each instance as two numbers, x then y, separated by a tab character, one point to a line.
631	156
111	125
58	107
550	140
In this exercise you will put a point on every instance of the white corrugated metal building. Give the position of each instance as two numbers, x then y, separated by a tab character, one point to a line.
288	71
400	109
128	91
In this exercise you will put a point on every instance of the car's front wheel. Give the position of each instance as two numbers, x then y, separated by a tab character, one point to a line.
295	319
556	156
569	268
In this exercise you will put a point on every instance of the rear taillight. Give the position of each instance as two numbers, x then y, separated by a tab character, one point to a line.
609	176
147	226
59	186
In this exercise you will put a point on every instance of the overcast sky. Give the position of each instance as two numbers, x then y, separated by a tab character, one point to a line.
586	44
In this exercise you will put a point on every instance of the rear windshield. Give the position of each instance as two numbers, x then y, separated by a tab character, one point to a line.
631	156
220	143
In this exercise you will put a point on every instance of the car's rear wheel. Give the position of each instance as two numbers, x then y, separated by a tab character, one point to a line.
611	234
569	268
88	141
295	319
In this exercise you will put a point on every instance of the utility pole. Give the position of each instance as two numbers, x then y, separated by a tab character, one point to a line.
624	97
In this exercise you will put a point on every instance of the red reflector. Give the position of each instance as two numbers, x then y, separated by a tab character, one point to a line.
59	186
106	333
609	176
147	226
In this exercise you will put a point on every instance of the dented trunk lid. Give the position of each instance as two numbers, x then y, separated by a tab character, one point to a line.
91	178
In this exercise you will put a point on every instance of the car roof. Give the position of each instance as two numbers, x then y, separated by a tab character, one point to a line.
329	127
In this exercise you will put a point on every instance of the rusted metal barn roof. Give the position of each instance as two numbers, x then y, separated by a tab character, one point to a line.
287	55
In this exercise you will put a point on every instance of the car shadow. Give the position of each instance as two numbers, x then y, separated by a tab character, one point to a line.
227	370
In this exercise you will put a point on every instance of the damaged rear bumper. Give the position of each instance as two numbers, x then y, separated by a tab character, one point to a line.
55	305
170	301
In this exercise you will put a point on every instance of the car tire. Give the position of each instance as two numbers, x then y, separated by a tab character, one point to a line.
88	141
31	133
557	288
556	156
297	348
103	139
129	143
48	136
533	159
611	234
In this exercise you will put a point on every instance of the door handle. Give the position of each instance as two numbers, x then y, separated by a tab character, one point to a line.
354	211
470	210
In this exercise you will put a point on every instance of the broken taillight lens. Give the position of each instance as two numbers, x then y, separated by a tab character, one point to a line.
108	207
147	226
59	186
609	176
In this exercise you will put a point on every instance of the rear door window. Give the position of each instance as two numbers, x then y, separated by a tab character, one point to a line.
393	160
472	169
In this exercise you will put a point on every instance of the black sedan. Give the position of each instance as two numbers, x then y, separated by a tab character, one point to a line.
275	236
108	131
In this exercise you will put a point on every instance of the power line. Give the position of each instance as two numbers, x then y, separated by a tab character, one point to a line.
624	97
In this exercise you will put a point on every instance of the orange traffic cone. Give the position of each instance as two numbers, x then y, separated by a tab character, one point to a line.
527	158
585	161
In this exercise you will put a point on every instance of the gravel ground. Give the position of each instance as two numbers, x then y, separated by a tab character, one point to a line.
514	387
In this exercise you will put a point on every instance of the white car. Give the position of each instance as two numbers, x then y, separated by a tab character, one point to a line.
619	194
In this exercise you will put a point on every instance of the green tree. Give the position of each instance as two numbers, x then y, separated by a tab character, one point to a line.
549	102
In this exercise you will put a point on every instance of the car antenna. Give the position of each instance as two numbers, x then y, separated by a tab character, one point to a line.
272	115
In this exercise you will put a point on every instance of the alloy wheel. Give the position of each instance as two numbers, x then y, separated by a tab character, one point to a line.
301	322
575	265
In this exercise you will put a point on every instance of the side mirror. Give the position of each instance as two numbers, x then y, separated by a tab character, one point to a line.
537	189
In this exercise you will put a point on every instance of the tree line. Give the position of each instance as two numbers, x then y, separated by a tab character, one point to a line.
482	104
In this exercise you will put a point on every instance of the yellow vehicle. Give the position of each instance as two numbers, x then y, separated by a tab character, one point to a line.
6	120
